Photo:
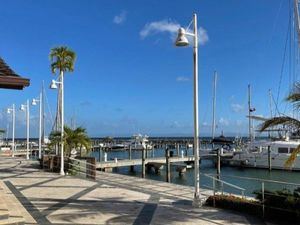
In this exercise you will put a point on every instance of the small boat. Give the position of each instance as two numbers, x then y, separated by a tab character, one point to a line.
140	142
116	146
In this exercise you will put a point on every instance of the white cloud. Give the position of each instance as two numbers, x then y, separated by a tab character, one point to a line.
182	79
175	124
223	121
166	26
119	19
237	107
205	124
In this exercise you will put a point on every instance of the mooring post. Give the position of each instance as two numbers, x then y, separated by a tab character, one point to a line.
168	169
177	146
146	151
131	168
269	158
218	163
186	149
129	152
143	164
99	156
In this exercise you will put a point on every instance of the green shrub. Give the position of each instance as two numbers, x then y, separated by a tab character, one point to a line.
279	205
235	203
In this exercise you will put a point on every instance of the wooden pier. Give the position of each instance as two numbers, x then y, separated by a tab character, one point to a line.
135	162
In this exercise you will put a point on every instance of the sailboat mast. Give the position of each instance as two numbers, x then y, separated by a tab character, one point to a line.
214	105
249	111
270	99
296	12
43	113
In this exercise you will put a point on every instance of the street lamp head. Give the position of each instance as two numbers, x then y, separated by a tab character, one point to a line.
34	102
181	39
8	111
22	108
53	85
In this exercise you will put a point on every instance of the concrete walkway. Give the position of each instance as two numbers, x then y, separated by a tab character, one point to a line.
47	198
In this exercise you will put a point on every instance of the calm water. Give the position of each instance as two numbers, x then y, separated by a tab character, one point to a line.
228	174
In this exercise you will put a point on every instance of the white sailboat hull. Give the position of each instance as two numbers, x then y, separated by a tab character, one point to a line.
261	160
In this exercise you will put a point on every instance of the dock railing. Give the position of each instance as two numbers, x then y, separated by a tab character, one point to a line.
218	186
271	195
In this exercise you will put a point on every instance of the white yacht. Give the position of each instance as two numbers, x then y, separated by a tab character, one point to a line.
257	155
140	142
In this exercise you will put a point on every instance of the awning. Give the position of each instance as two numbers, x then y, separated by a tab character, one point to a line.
9	79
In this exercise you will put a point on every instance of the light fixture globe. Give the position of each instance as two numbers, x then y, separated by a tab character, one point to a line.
22	108
181	39
53	84
34	102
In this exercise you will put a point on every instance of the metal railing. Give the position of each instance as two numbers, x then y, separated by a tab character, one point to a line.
219	185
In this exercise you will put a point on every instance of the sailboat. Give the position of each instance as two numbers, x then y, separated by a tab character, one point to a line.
221	141
269	153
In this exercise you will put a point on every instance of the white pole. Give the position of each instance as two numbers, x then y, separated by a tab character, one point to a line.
40	126
214	105
62	172
197	200
13	129
27	129
249	109
270	100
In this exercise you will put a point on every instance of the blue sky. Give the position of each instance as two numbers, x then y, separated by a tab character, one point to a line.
130	78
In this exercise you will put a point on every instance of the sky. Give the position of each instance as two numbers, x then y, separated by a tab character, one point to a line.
130	78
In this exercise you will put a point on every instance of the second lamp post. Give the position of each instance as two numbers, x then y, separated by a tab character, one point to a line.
26	109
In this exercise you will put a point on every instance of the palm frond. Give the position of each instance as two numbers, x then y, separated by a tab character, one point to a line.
290	161
281	120
294	96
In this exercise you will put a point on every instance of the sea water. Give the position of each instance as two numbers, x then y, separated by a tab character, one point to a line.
249	179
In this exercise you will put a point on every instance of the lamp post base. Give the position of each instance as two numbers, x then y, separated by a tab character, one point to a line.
62	173
197	203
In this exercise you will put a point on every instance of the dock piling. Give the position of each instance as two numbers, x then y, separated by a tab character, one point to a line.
168	168
269	159
177	147
218	163
143	164
99	154
146	151
129	152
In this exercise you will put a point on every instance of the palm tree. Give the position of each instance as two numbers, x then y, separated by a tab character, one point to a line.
62	60
287	121
73	139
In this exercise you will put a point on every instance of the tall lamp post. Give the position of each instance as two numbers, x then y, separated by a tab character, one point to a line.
34	102
180	42
13	112
54	86
26	109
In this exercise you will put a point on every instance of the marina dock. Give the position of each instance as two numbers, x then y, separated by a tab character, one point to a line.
135	162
